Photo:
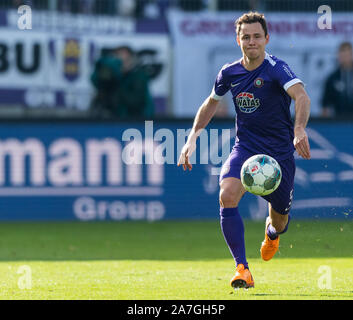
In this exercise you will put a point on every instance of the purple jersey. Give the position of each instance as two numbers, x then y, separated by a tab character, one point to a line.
263	122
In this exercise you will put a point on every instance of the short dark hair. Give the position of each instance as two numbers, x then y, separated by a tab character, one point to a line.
344	46
251	17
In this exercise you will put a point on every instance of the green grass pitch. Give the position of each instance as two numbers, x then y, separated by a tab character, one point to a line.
170	260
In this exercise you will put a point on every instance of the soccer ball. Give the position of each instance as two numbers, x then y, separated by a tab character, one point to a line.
261	174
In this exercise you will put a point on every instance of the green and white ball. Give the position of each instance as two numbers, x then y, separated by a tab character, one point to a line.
261	174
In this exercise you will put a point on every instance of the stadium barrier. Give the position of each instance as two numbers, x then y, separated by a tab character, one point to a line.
127	171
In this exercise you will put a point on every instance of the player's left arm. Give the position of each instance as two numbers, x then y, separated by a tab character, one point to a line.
302	113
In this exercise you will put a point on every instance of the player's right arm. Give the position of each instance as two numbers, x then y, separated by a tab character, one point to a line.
202	118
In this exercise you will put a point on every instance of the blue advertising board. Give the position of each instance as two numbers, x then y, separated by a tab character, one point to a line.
128	171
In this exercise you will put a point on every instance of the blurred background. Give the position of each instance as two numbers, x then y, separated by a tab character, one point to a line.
76	75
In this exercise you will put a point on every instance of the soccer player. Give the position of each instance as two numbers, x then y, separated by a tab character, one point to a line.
262	87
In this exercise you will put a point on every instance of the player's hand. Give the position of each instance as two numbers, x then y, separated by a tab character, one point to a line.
301	143
185	154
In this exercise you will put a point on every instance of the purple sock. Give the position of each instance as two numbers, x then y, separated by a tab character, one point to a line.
271	231
233	232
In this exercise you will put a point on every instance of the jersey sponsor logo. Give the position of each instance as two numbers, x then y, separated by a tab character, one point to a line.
246	102
259	82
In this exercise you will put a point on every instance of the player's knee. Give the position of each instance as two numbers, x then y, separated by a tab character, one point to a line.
227	198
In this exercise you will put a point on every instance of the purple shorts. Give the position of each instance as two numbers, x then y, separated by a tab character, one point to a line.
281	198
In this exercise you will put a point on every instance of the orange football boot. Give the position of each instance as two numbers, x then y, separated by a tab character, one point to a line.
242	278
268	247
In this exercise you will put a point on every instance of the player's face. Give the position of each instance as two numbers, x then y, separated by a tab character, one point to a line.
125	57
252	40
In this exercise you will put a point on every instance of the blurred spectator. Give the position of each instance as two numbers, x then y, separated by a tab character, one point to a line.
40	4
122	87
105	7
338	94
126	8
17	3
86	6
226	5
34	4
191	5
67	6
152	9
77	6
